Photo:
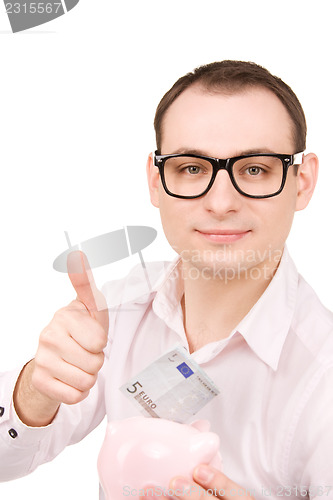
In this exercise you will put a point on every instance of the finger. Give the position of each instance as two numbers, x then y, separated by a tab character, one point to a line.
82	279
80	274
152	493
78	325
181	487
81	358
71	375
56	390
222	487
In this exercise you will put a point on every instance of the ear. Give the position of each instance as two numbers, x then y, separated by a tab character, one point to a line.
307	175
153	176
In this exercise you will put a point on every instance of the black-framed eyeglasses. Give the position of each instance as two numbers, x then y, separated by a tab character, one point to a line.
255	175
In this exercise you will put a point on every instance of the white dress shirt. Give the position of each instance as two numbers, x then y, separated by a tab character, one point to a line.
274	413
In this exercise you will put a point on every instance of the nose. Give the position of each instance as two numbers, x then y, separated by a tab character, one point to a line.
222	196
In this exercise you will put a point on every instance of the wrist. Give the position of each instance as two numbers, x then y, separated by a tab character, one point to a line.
32	407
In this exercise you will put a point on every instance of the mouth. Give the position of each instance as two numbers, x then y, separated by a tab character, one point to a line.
223	235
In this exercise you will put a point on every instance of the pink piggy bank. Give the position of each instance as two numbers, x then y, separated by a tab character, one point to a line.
141	451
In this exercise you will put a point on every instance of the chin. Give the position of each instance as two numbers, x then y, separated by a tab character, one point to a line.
208	264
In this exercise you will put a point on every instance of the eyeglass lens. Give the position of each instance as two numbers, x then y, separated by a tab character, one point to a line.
256	176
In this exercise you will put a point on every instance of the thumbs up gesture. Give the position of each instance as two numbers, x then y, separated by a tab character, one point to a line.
87	293
70	351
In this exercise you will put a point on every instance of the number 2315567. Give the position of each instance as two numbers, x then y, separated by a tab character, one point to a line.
32	8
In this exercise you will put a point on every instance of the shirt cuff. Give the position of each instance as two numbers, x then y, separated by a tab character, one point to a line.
12	430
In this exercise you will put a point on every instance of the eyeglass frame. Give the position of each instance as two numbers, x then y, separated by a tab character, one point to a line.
227	164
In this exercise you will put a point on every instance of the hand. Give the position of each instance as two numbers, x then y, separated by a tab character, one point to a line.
207	482
70	351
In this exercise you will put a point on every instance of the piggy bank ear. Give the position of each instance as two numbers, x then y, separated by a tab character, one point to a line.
201	425
205	445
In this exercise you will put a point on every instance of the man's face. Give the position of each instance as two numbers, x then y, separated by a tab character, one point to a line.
224	126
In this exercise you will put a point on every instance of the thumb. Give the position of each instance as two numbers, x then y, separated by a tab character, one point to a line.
82	279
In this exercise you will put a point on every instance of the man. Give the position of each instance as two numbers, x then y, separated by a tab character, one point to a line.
228	175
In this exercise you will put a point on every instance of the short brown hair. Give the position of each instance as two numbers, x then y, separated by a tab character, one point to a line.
234	76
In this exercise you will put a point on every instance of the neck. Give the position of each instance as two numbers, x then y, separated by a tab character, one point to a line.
214	304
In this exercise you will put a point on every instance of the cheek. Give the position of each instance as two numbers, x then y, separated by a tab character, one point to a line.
277	219
174	217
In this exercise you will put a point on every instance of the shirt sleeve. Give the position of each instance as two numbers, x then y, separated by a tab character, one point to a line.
24	448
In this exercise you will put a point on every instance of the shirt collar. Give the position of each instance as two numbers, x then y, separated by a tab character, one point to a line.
167	301
264	328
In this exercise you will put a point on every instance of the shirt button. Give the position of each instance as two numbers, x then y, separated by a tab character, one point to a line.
12	433
2	411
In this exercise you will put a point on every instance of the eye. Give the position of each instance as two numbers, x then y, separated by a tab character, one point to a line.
187	167
193	169
254	170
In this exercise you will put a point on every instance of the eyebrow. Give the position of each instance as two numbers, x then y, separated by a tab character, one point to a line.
239	153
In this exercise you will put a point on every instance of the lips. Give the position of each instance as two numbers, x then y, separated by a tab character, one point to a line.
223	231
223	235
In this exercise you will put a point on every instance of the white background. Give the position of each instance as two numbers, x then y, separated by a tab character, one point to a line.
77	100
